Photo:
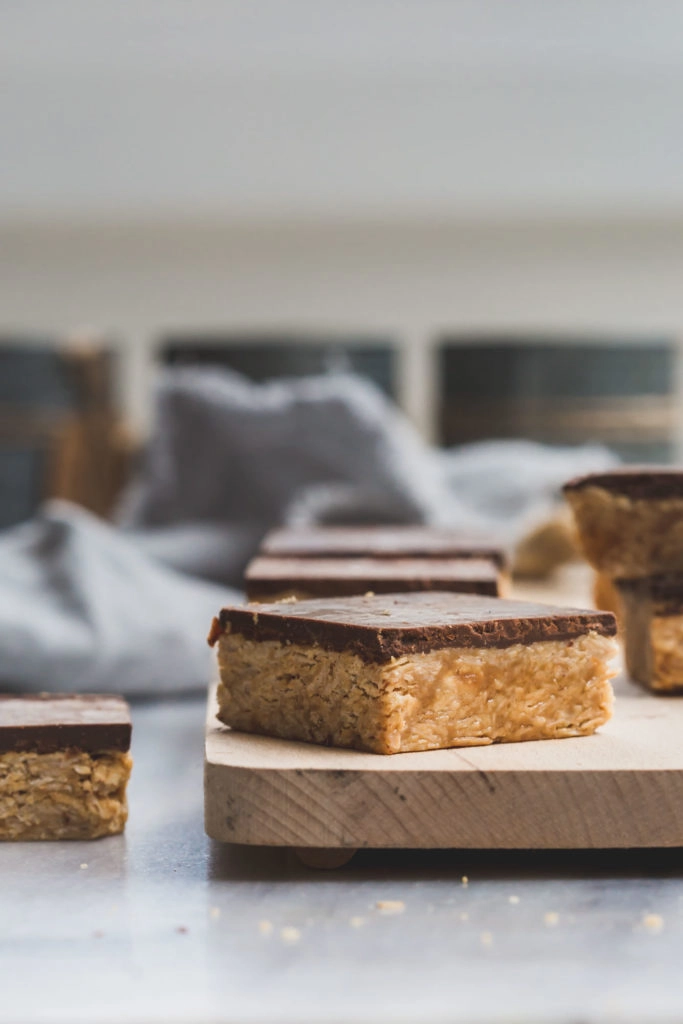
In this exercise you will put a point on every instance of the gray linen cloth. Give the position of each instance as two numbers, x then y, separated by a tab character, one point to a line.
81	608
86	605
225	450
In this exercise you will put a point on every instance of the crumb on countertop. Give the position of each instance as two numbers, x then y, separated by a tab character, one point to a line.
390	906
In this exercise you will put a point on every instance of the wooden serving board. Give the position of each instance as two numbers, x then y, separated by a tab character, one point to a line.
622	787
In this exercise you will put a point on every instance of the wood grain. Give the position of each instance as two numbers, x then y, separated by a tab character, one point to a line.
622	787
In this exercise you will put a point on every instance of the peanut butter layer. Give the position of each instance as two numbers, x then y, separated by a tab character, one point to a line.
65	794
447	697
630	523
271	579
652	610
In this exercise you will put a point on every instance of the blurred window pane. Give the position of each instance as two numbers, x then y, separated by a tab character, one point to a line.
560	391
38	376
261	357
59	431
22	473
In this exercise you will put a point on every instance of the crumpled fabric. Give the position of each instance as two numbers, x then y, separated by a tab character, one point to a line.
225	450
82	608
91	606
229	459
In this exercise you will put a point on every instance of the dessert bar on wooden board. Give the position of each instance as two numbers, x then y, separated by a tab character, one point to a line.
273	578
400	672
379	542
620	788
64	766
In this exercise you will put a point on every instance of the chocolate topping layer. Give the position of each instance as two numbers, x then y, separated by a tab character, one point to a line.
666	592
379	542
47	722
385	626
338	577
634	482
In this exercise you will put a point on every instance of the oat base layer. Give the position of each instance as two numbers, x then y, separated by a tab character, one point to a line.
443	698
627	538
67	794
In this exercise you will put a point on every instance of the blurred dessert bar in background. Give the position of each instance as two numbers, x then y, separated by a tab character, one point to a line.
630	525
630	520
380	542
271	579
652	614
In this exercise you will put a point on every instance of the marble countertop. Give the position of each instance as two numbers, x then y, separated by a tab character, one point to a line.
164	925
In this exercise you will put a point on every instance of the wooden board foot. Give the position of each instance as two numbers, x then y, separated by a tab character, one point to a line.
323	859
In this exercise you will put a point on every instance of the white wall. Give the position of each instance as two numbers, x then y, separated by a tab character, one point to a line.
412	280
379	164
306	108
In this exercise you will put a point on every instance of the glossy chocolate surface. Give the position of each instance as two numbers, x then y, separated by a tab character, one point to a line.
379	542
48	722
390	625
634	482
